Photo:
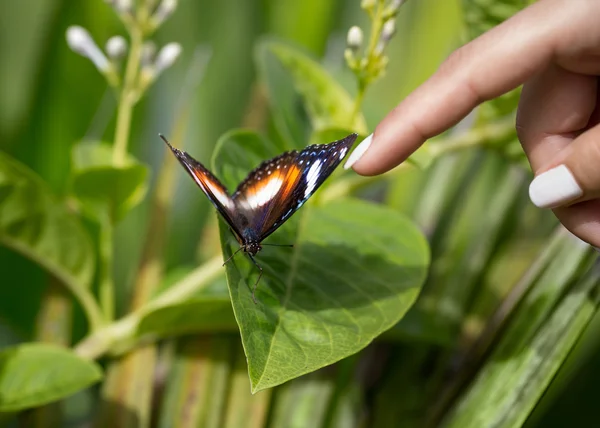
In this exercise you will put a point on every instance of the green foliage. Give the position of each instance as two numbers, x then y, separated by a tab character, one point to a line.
40	227
557	307
34	374
317	302
196	315
106	190
466	329
291	76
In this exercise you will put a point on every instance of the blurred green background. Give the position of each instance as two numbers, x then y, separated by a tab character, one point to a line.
51	98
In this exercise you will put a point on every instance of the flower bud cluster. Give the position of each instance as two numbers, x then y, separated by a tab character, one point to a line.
370	64
142	21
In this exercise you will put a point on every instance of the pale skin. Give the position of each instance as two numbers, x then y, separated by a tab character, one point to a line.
552	48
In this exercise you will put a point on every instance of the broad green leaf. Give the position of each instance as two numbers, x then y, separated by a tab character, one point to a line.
104	188
36	225
200	314
542	331
34	374
327	104
355	270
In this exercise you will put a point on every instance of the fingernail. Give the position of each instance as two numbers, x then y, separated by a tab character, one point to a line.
554	188
358	152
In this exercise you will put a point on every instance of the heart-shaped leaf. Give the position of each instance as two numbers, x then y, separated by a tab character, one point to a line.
355	270
35	373
104	188
36	225
292	77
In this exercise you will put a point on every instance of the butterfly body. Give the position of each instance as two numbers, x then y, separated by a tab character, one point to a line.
271	193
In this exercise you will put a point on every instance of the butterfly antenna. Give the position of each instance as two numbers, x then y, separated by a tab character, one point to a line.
258	279
279	245
231	256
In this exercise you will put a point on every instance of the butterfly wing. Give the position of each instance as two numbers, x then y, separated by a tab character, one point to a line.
277	188
210	185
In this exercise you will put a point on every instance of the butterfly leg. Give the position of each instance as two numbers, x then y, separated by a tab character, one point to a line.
231	256
259	276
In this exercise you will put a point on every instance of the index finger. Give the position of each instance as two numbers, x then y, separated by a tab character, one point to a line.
493	64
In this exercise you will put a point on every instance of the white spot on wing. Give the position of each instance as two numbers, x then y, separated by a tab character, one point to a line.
264	194
343	153
311	177
219	194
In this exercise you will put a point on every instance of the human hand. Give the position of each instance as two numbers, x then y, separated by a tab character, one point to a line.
553	48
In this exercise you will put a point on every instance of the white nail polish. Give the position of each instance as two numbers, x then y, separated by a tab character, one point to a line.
554	188
358	152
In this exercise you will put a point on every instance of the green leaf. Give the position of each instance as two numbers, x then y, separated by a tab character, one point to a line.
355	270
36	225
34	374
326	102
200	314
238	152
541	333
103	188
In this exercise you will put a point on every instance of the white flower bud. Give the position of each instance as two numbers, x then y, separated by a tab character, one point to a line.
80	41
367	4
389	29
123	6
166	57
164	10
116	47
395	4
354	40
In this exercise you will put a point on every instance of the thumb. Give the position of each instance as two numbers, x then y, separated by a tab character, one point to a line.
572	176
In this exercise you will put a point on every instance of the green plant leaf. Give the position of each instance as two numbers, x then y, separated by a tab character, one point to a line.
561	300
36	225
200	314
103	188
33	374
355	270
289	74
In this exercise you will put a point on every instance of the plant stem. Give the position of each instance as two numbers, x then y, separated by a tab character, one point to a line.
120	336
364	74
358	101
128	96
106	288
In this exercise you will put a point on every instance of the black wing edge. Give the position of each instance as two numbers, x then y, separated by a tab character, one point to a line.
191	165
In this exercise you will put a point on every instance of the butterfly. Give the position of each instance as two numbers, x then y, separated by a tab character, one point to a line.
270	194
